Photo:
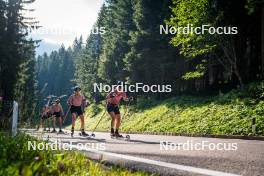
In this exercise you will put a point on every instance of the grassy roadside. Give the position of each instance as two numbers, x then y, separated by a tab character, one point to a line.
230	113
16	159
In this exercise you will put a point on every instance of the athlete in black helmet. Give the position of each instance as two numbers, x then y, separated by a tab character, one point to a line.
76	101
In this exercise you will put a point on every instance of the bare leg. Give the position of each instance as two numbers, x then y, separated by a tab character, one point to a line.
118	121
73	120
113	116
60	120
117	125
82	121
73	123
54	122
48	123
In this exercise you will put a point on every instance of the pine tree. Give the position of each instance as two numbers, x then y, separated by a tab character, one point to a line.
115	46
151	59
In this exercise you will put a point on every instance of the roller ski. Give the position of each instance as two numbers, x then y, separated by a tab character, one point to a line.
116	135
82	133
121	137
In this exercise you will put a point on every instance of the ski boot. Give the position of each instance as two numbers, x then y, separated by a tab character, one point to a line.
117	135
83	133
112	134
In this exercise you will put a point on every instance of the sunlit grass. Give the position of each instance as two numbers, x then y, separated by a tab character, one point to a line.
230	113
16	159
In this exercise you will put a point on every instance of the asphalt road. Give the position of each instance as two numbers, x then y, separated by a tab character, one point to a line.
170	155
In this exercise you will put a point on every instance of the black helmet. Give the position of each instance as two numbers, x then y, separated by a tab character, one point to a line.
76	88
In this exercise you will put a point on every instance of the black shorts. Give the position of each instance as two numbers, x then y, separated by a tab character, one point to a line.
44	117
77	110
113	108
49	115
57	114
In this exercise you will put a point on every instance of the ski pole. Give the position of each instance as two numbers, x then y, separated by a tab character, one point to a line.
98	123
127	107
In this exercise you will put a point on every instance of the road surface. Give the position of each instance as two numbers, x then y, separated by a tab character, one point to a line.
170	155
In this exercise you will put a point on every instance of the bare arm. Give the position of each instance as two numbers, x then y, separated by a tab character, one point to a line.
109	97
125	97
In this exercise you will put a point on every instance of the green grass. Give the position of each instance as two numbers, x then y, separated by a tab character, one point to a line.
229	113
16	159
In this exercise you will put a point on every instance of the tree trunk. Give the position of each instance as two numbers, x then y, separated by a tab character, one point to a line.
237	73
231	56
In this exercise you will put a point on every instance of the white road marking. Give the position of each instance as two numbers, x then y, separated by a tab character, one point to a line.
157	163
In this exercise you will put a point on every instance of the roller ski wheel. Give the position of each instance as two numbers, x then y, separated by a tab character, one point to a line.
93	135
